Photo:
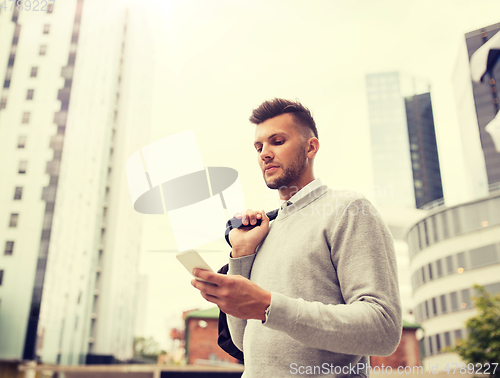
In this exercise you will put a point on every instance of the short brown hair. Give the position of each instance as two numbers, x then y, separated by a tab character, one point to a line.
277	106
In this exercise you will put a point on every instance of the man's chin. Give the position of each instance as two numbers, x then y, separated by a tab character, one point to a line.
275	184
271	184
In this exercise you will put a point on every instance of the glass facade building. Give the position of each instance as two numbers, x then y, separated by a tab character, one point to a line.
404	150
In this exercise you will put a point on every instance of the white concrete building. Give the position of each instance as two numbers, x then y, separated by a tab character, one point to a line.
76	88
451	249
461	145
142	300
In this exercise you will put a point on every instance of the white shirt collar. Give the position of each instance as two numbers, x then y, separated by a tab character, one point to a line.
316	183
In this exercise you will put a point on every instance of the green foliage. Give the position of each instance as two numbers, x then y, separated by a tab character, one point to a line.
147	348
482	345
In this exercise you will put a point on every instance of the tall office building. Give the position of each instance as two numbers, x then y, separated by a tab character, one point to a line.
404	151
74	106
486	100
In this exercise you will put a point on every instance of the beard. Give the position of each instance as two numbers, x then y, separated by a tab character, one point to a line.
291	174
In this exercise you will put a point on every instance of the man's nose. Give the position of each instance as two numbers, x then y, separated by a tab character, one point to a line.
266	153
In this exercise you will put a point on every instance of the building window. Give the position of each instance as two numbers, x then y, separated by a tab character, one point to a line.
466	299
483	256
439	268
43	49
47	220
456	221
21	143
18	193
26	117
449	264
454	301
461	261
444	222
435	229
29	95
3	103
46	29
443	304
447	340
9	248
426	232
419	238
430	271
438	343
13	220
34	71
1	277
22	167
421	347
6	84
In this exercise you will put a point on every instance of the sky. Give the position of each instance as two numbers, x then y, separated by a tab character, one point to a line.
217	60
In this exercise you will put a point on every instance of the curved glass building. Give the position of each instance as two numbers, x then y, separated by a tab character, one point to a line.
451	250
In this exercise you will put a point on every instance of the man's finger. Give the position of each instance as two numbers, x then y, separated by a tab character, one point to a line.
265	218
206	288
209	298
211	277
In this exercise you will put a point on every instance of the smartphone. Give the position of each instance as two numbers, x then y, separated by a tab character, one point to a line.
192	259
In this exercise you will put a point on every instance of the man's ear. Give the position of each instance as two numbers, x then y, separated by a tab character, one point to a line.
313	147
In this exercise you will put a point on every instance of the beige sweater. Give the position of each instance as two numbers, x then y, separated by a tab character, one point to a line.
329	263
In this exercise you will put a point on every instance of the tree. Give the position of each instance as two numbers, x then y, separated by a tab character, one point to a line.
148	349
482	345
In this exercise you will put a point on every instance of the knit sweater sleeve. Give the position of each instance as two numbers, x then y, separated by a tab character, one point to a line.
239	266
369	323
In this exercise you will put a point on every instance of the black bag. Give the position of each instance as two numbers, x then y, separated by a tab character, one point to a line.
224	340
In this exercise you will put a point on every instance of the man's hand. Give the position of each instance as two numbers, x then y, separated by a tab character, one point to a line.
245	240
235	295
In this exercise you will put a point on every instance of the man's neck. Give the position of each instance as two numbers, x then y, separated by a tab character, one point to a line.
291	190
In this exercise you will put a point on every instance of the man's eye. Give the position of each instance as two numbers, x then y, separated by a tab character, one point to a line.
279	142
259	149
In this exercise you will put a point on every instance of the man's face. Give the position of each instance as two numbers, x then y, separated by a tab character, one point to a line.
280	152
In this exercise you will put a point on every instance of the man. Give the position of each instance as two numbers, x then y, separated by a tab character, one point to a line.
315	292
